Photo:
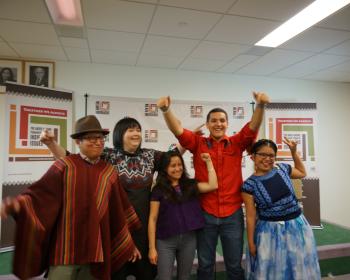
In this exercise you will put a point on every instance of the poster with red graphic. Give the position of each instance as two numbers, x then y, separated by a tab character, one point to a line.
298	121
27	114
26	111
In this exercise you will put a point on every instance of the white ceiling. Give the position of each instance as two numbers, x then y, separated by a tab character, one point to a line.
201	35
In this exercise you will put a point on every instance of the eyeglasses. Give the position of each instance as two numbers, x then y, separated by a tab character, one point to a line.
263	155
94	138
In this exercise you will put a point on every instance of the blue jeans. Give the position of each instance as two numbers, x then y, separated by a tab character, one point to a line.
230	230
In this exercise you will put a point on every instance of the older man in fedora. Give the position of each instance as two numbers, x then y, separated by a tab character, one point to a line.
76	220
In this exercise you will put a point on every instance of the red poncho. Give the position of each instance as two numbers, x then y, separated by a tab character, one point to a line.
75	214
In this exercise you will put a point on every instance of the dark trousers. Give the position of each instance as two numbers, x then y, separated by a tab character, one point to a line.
141	269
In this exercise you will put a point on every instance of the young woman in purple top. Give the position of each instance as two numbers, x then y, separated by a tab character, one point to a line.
175	215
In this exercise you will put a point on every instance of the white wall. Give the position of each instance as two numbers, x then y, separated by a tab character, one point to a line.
333	100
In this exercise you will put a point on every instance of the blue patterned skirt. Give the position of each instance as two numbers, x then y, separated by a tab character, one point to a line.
285	251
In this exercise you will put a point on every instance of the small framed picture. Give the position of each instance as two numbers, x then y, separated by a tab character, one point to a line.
11	71
40	73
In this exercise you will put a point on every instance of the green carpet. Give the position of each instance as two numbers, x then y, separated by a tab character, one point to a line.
5	263
330	234
337	266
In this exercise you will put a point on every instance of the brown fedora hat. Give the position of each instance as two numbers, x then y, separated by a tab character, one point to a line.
87	124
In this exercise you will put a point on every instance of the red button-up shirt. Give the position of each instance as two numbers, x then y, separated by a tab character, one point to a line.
226	156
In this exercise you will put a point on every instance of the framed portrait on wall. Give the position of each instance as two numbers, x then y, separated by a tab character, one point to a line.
10	71
40	73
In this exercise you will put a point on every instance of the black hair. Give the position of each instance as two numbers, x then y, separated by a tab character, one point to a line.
188	186
216	110
11	78
120	128
262	143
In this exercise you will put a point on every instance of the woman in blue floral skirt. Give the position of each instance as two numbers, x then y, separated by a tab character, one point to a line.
281	242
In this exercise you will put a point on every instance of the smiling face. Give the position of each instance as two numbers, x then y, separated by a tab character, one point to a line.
91	145
264	160
175	170
132	139
217	125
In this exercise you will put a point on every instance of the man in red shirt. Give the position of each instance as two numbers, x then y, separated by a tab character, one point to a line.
221	208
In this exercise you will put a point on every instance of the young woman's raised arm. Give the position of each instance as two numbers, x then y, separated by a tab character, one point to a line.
298	171
212	183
